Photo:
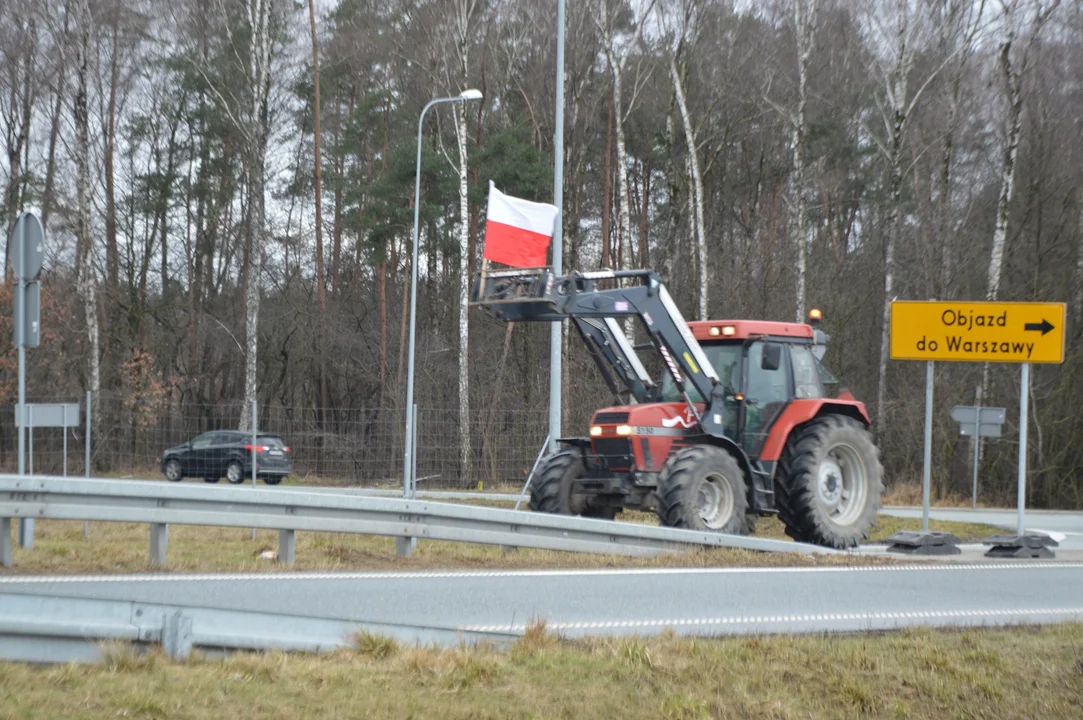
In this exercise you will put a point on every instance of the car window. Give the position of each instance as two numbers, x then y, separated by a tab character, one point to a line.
204	440
806	377
227	438
271	441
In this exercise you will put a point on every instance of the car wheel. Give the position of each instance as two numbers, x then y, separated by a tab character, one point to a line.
235	472
173	471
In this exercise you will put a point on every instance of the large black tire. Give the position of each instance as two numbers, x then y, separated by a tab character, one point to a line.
703	488
829	482
551	488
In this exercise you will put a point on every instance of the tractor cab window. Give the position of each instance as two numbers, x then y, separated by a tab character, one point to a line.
766	396
806	376
725	359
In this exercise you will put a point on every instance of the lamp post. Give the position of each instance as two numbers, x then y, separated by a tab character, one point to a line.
408	489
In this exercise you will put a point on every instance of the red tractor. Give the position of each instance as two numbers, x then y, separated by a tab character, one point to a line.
741	424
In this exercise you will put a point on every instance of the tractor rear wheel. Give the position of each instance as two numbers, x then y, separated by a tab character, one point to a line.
829	483
703	488
552	490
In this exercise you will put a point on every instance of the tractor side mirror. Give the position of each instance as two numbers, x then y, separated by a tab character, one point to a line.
772	356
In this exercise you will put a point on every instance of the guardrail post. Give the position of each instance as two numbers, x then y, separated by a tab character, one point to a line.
159	543
287	547
177	636
5	542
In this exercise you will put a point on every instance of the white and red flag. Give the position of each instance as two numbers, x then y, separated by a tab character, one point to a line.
517	232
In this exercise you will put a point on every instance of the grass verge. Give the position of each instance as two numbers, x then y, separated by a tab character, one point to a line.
1009	673
60	547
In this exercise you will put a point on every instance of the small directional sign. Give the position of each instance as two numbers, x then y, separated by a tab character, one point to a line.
1006	332
978	421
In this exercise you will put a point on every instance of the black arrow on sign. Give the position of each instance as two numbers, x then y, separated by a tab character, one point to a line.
1043	327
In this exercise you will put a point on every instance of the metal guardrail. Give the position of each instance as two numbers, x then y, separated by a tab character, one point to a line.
41	627
160	504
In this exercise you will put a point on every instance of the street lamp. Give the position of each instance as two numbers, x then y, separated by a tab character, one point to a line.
408	490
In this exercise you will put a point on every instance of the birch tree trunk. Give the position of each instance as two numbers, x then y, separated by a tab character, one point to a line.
697	190
256	133
1010	76
804	29
85	276
465	11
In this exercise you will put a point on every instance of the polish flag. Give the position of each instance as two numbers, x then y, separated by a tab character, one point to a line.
517	232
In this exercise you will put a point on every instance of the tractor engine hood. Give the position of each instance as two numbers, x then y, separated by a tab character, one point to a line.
673	418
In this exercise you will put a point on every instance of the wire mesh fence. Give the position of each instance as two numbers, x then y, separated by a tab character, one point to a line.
356	446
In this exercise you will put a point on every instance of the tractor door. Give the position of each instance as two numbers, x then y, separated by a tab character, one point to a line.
768	390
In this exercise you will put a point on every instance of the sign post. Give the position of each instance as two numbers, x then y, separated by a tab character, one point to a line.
977	422
1008	332
26	250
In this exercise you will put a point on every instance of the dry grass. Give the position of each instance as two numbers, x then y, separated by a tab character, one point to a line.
908	494
124	547
1012	673
60	547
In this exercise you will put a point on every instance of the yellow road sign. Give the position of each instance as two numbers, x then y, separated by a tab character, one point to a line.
1008	332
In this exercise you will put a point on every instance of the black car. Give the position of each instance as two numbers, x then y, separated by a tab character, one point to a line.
227	453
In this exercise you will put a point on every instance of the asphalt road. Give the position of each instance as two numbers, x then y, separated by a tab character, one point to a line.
629	601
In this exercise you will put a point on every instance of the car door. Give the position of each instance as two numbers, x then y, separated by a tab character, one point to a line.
199	455
224	446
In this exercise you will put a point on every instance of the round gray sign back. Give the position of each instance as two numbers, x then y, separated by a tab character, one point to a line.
27	240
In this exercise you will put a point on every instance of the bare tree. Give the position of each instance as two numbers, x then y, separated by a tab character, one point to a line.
321	284
84	262
804	16
1012	66
905	33
686	36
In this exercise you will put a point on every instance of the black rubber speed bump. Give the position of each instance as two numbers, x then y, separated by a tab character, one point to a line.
917	542
1029	547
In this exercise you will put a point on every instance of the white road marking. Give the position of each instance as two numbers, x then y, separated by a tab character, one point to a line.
1003	614
451	574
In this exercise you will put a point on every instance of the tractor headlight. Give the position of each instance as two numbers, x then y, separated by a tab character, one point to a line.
624	429
595	430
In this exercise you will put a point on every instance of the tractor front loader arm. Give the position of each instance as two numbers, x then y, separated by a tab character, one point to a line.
540	296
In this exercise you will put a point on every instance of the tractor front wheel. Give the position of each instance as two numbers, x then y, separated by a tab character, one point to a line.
703	488
553	490
829	483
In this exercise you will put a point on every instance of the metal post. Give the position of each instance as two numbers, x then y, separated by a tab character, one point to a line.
530	476
65	429
1024	420
26	525
255	449
926	477
413	451
86	469
30	431
974	490
555	329
407	461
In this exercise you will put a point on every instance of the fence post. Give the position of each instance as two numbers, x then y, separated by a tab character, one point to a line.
254	451
86	463
26	525
64	410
